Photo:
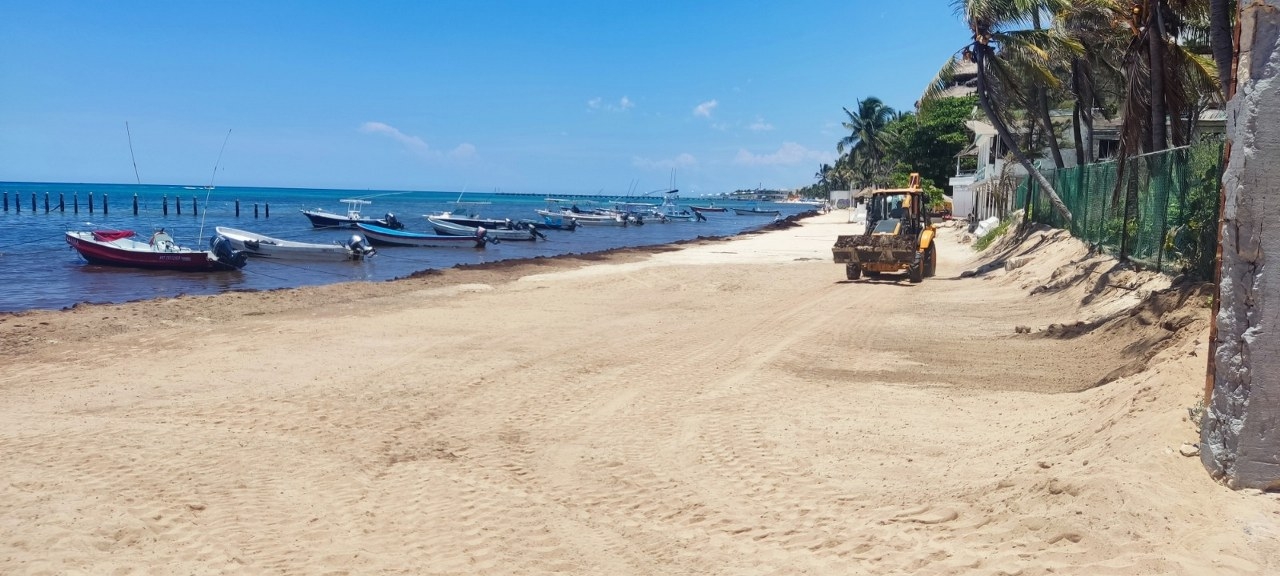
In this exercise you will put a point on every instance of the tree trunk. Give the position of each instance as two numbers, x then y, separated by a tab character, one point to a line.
1077	89
1155	55
1220	39
1042	112
1041	106
1240	442
997	122
1077	134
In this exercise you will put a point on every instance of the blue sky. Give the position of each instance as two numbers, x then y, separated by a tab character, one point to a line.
556	97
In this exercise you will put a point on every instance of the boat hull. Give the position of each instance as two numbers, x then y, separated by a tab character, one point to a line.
585	219
449	228
130	253
389	237
262	246
754	212
322	219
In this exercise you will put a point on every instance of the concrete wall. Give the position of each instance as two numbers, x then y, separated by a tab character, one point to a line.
841	199
1240	433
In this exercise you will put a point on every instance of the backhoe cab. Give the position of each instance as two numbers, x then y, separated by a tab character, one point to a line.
899	236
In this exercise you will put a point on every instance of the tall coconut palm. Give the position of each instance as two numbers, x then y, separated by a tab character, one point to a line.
1221	14
1000	50
866	150
1094	25
1163	76
1166	82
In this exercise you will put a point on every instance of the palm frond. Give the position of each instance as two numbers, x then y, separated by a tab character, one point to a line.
940	83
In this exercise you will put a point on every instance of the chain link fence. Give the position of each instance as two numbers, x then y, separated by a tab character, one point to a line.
1163	214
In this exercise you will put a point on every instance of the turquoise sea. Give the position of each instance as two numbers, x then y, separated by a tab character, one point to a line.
38	270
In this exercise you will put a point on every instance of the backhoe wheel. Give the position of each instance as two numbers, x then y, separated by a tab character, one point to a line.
915	271
930	261
852	271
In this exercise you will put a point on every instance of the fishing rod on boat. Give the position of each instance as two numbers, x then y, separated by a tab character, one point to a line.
23	243
129	134
209	191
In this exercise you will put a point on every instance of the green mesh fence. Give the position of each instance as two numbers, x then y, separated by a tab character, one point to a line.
1163	214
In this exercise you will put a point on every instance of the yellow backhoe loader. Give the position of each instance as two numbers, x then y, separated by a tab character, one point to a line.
899	236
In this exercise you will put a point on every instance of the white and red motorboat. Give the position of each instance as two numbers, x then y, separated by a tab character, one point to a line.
160	252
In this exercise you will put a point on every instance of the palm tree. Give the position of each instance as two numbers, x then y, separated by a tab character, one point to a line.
1163	75
1220	39
866	150
998	50
1094	26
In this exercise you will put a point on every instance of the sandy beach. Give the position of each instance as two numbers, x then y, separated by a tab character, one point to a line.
721	407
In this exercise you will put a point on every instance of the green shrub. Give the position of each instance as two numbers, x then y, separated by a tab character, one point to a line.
990	237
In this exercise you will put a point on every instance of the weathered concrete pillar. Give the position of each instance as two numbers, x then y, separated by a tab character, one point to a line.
1240	433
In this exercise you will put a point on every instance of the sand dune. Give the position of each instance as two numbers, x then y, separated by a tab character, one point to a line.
727	407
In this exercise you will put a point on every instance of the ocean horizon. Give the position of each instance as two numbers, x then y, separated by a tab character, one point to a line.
40	271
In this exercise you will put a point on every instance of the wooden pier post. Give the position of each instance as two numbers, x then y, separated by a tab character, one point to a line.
62	202
6	201
33	202
195	208
255	210
46	202
104	204
177	204
164	204
135	203
238	208
91	202
75	199
267	206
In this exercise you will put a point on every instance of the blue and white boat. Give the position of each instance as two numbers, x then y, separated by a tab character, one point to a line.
390	237
495	229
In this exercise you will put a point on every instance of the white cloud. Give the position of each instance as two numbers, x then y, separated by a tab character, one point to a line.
415	145
464	151
622	105
788	154
684	160
760	126
704	109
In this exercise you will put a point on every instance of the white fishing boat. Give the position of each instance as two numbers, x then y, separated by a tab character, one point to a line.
254	244
669	211
321	218
502	230
556	210
756	211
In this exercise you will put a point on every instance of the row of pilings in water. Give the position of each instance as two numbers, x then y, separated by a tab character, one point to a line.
61	205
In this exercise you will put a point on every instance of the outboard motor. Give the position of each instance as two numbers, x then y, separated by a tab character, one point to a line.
221	247
392	222
359	247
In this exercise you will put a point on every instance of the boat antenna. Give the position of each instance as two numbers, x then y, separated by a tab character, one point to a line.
209	191
134	160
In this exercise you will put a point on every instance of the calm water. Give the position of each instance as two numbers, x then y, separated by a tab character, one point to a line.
39	270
